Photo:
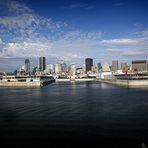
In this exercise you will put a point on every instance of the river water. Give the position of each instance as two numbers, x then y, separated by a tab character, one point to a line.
74	115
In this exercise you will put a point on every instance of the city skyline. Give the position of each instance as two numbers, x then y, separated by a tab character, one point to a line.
72	31
60	66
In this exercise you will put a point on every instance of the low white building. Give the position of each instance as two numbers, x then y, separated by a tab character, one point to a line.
106	75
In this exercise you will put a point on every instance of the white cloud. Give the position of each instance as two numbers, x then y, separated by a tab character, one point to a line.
22	21
72	45
132	53
28	49
78	35
113	49
27	25
12	7
121	41
142	33
2	47
127	47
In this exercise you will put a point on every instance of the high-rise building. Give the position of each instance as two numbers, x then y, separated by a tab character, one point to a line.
99	66
72	69
63	66
114	65
42	63
57	68
27	66
35	69
139	65
88	64
51	68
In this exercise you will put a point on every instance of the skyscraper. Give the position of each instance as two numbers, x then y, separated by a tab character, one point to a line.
63	65
42	63
72	69
57	68
88	64
99	66
114	66
27	66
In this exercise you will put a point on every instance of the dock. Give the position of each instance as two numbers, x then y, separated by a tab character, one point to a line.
25	81
129	80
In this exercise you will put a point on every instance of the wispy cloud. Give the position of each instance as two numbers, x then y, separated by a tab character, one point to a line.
27	30
120	41
76	35
71	45
18	20
132	53
142	33
127	47
12	7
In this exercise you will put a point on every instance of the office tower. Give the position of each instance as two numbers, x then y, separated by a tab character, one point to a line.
99	66
114	66
57	68
27	66
63	66
88	64
49	69
72	69
42	63
139	65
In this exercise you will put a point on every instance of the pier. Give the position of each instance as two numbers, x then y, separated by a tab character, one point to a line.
129	80
25	81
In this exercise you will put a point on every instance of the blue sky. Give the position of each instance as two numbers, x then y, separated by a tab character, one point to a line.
72	30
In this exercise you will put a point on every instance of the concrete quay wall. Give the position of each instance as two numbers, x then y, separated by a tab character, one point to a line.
117	82
138	82
130	83
20	84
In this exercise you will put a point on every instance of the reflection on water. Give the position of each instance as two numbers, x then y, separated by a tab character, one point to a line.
80	113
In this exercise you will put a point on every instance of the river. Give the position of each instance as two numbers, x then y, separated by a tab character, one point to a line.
74	115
